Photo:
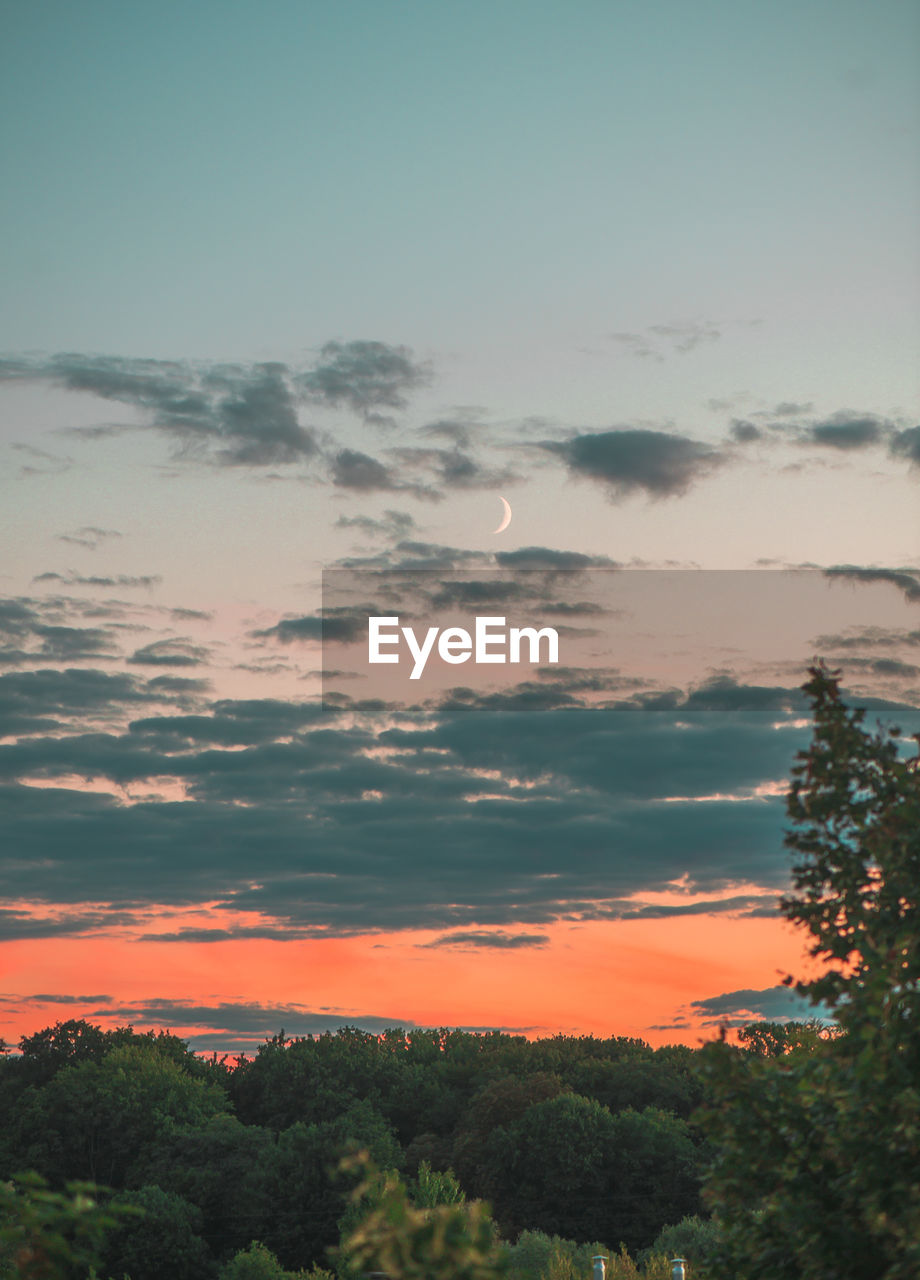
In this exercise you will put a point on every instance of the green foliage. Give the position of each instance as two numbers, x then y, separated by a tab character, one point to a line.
432	1187
259	1263
572	1168
254	1263
776	1039
50	1235
135	1109
221	1166
306	1200
693	1238
538	1256
818	1149
448	1242
164	1241
93	1118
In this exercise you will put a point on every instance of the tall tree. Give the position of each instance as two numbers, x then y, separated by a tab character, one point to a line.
819	1148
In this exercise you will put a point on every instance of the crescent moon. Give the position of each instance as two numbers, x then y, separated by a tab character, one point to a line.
506	517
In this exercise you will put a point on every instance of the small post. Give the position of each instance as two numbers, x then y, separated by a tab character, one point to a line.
598	1262
677	1269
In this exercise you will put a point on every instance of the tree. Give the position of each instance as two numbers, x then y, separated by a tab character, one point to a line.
571	1168
448	1242
164	1240
818	1150
93	1120
52	1235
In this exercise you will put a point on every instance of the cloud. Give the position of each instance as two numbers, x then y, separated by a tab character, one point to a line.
64	999
685	337
634	459
745	432
411	555
43	701
391	525
365	376
170	653
866	638
763	905
791	408
352	469
346	817
248	1023
547	558
657	340
119	580
244	415
32	629
906	444
848	430
453	468
345	625
475	940
907	581
43	463
89	536
770	1004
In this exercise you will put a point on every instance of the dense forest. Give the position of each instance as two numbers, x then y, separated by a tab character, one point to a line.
576	1137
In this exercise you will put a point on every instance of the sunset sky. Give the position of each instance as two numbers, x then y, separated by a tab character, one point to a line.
298	288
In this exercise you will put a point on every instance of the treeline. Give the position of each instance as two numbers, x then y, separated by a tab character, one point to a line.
574	1137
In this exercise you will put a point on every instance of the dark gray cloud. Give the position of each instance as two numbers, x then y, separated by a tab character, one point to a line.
38	629
345	820
43	701
745	432
20	925
460	429
352	469
234	414
63	999
867	638
453	468
345	625
81	580
248	1024
848	430
391	525
474	940
906	444
630	460
907	581
770	1004
366	377
170	653
546	558
762	905
410	555
892	667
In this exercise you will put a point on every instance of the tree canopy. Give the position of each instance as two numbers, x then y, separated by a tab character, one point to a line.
818	1139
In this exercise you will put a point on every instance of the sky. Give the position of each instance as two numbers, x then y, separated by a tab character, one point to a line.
294	295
